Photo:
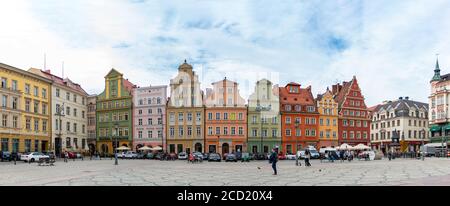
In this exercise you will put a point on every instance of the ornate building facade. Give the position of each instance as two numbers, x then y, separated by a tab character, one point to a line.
185	112
226	118
328	119
264	124
114	114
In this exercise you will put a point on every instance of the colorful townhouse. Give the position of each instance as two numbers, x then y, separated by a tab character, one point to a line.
354	118
299	118
328	119
149	114
185	110
68	109
114	114
439	117
226	118
263	118
26	119
91	122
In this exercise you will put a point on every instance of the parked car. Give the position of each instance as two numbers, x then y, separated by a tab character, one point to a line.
6	156
198	156
260	156
291	156
281	156
245	157
231	158
205	156
140	155
33	156
182	156
214	157
173	156
150	156
224	156
238	155
130	155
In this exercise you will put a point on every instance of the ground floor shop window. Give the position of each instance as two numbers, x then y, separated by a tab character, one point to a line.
28	145
36	145
180	148
5	144
172	148
15	145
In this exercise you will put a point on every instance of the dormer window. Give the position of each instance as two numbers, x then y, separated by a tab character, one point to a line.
293	89
297	108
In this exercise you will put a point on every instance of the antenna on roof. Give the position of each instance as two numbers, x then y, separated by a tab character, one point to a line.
62	69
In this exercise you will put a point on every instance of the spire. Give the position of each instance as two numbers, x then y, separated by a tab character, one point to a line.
437	70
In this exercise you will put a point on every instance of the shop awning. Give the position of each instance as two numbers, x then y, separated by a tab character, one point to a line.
447	127
435	128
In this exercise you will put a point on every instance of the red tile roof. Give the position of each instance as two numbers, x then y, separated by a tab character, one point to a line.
303	97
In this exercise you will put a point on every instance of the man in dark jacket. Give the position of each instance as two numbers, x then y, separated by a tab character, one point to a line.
274	159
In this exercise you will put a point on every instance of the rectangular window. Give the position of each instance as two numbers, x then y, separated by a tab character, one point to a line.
36	125
4	120
254	132
225	131
274	133
189	117
298	132
180	131
241	131
217	116
172	131
150	134
140	134
28	123
253	119
68	126
225	116
14	85
172	117
210	116
199	116
288	132
67	96
36	145
199	132
240	116
210	130
27	105
288	120
74	127
217	130
28	145
150	121
27	89
36	91
14	102
4	101
189	132
5	144
233	130
44	93
44	125
15	122
180	117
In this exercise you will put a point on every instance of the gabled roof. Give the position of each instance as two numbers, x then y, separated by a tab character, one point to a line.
401	104
66	82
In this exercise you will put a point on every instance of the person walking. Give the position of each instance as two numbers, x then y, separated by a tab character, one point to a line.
66	155
274	159
14	157
307	157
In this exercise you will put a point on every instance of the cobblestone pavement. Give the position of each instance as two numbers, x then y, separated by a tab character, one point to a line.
153	173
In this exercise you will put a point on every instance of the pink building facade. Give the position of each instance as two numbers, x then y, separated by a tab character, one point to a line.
149	116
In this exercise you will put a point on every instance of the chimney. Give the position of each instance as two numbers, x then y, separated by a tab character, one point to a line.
406	98
400	98
48	71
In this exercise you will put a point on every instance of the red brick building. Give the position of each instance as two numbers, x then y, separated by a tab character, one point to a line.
354	118
299	118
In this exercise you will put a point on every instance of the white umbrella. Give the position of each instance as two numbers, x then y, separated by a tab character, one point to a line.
156	148
345	146
145	148
361	147
122	148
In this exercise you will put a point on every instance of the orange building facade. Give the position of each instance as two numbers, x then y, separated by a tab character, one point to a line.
299	118
225	119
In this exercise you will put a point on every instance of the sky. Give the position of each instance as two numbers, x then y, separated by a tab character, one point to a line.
390	46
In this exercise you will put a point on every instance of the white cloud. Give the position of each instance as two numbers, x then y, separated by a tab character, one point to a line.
388	45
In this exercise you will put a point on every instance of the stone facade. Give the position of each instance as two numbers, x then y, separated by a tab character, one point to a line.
403	118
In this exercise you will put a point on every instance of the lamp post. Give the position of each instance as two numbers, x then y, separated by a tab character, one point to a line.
296	141
162	131
116	126
423	144
218	143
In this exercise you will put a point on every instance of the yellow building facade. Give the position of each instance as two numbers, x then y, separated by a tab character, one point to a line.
328	119
25	111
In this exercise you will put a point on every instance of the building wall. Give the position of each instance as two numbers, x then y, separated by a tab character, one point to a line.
20	133
263	104
352	104
114	107
328	120
70	137
147	102
91	119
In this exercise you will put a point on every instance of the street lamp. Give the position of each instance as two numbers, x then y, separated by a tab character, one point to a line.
116	126
423	144
162	131
217	149
296	141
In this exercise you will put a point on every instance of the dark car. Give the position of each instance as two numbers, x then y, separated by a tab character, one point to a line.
205	156
245	157
260	156
238	155
140	156
6	156
150	156
214	157
231	158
